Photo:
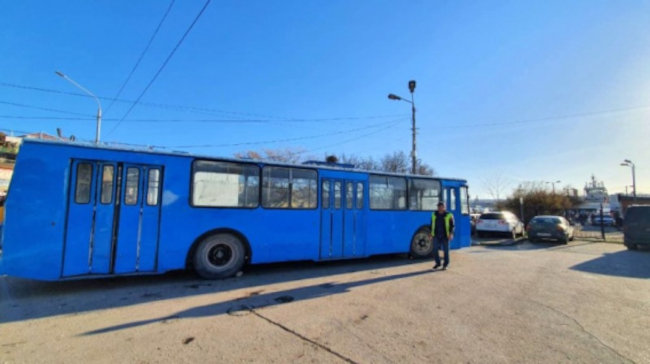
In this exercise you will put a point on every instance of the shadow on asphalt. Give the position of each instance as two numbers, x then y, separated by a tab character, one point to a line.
254	300
625	263
22	299
525	244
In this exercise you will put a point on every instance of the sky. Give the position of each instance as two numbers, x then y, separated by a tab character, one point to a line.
512	90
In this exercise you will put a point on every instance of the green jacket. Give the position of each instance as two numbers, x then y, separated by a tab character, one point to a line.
449	223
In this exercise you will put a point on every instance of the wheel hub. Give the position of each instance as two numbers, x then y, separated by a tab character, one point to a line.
220	255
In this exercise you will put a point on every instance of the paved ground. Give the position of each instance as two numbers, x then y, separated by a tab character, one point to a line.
585	302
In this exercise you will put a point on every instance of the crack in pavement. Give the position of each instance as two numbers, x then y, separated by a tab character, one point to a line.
584	330
300	336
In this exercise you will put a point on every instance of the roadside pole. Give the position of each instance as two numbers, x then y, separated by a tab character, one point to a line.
521	209
602	222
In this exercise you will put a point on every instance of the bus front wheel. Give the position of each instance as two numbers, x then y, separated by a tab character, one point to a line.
422	244
219	256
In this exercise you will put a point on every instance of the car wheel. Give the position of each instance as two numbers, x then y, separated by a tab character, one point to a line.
631	246
219	256
422	244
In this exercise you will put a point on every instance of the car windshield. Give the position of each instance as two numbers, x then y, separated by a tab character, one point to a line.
635	214
545	221
492	216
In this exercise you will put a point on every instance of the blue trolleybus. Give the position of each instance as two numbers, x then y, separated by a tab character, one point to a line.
75	210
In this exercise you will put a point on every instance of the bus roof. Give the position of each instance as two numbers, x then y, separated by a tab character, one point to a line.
152	150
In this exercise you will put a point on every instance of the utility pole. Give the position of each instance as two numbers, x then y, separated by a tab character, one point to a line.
414	157
414	160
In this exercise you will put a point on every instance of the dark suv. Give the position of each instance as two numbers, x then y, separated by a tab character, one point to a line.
636	226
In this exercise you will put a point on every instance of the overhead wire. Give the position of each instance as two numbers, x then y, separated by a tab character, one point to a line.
338	132
144	51
162	66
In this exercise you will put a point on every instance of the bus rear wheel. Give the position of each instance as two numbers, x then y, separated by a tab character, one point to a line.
421	244
219	256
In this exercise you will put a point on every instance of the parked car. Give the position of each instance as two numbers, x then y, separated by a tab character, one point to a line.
636	226
607	220
472	222
499	222
550	227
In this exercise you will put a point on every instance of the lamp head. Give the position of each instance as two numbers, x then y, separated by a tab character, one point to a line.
394	97
412	86
60	74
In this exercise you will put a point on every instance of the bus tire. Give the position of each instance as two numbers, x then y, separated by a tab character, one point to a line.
219	255
421	244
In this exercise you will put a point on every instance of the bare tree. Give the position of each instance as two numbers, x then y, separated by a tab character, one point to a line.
496	185
291	156
366	163
396	162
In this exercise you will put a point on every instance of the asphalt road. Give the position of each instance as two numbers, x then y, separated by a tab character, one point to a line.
499	302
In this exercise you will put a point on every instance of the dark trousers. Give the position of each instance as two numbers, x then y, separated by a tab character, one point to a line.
437	242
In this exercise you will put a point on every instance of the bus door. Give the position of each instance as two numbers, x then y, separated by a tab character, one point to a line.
137	233
353	220
113	215
342	223
89	229
331	227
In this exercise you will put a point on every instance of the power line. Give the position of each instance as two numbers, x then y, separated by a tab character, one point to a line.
391	122
196	109
144	51
23	117
203	110
352	139
40	108
548	118
162	67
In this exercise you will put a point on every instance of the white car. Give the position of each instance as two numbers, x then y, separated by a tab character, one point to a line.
502	222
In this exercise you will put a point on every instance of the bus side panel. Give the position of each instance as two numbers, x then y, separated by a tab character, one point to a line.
35	213
391	231
274	235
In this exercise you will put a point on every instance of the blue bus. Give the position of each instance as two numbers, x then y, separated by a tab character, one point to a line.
77	210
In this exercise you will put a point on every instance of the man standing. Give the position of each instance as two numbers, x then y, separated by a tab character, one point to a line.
442	232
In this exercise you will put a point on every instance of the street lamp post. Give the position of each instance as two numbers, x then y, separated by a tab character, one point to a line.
553	184
413	130
628	163
99	104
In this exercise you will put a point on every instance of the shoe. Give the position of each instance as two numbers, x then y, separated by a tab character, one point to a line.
444	267
436	266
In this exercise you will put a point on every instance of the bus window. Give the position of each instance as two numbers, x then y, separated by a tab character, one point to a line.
359	195
337	195
82	188
131	189
275	192
325	193
153	186
304	193
225	184
424	194
289	188
387	193
349	195
107	184
464	201
452	199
